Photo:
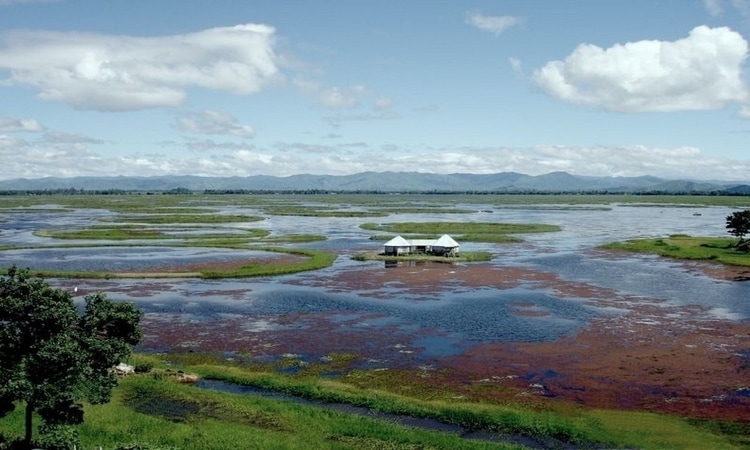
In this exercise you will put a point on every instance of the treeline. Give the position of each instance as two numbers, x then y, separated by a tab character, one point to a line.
716	193
185	191
73	191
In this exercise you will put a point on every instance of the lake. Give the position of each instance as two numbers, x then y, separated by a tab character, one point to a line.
539	314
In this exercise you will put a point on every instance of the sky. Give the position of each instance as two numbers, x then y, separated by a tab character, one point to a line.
284	87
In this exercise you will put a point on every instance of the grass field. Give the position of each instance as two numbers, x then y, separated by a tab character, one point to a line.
153	411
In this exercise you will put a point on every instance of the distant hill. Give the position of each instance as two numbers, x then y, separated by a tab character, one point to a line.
504	182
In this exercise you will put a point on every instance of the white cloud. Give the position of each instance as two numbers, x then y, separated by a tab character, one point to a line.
68	138
354	103
382	103
380	114
9	146
702	71
336	98
516	65
492	24
211	145
10	125
331	97
117	73
214	122
744	112
717	7
714	7
42	159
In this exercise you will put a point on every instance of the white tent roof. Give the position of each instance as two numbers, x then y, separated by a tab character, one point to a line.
422	242
398	241
445	241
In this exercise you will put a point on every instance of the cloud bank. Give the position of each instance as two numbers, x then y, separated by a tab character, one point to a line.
47	153
11	125
700	72
120	73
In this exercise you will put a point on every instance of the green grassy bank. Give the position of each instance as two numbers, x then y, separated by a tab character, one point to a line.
153	411
715	249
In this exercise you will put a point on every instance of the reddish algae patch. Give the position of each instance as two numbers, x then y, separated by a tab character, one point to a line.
644	355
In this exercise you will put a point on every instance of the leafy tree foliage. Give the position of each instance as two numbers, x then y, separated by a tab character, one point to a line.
738	224
55	356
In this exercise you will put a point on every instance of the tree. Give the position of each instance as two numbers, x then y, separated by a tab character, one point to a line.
738	224
55	356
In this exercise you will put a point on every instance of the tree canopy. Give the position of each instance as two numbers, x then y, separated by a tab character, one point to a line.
54	356
738	224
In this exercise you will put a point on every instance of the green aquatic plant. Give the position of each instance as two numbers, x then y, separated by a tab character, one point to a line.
720	250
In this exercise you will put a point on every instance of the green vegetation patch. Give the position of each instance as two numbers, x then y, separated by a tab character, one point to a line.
490	232
150	395
720	250
424	210
153	411
125	232
315	259
464	228
310	260
111	233
184	218
406	392
220	421
295	238
303	211
34	210
137	209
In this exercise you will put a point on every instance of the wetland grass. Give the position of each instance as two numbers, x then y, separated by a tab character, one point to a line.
715	249
303	211
153	411
460	228
159	413
399	392
487	232
126	232
314	260
137	203
185	218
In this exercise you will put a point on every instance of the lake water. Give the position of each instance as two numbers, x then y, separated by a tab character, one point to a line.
443	315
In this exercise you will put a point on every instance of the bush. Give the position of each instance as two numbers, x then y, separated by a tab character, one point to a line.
144	367
139	446
57	437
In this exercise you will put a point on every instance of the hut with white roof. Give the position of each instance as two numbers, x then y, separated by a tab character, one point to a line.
397	246
443	246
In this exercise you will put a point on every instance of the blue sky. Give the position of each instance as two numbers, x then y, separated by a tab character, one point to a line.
281	87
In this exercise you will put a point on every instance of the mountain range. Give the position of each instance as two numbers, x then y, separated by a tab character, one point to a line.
504	182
